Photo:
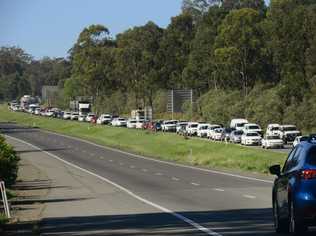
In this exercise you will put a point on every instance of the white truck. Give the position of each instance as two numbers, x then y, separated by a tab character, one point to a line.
288	133
238	124
192	128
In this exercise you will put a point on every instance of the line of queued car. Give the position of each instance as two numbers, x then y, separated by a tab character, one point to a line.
240	131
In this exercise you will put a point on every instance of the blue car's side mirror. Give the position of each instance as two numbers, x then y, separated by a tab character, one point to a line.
275	170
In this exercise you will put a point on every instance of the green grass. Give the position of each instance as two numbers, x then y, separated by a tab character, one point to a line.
164	146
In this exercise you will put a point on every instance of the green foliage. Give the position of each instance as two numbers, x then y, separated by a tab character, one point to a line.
8	163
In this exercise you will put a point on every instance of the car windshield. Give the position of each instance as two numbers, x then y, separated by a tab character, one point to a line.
240	124
289	128
253	127
194	126
251	134
204	127
121	119
275	128
238	133
132	121
272	137
171	123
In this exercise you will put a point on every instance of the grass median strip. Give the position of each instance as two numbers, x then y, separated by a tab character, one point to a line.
165	146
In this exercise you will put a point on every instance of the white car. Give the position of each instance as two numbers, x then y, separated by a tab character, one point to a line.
218	134
67	115
180	126
169	125
104	119
252	128
131	123
82	118
211	129
288	133
74	116
37	111
119	122
251	138
192	128
140	124
238	124
299	139
89	117
202	130
273	129
272	141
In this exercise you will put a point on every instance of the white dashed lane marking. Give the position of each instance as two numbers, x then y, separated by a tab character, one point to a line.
195	184
249	196
219	189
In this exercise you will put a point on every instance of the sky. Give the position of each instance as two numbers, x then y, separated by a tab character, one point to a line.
51	27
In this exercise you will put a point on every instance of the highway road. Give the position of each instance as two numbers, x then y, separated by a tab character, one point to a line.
206	201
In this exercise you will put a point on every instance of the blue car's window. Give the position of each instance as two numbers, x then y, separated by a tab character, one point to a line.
311	156
292	159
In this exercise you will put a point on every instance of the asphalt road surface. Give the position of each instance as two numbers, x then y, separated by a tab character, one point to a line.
205	201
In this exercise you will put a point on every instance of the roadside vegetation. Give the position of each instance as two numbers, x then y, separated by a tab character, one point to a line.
165	146
8	163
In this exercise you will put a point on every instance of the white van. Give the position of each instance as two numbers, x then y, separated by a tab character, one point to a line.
238	124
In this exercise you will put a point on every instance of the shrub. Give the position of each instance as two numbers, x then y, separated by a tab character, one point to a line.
8	163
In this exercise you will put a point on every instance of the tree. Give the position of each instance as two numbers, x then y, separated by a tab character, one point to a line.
258	5
136	60
175	49
92	60
238	49
200	72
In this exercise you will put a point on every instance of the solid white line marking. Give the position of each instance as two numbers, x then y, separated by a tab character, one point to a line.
129	192
175	179
195	184
160	161
219	189
249	196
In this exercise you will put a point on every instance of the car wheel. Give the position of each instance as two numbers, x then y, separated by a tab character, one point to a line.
281	226
296	227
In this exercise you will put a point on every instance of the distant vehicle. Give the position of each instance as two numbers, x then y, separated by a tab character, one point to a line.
226	133
32	108
104	119
140	124
158	126
294	190
82	118
299	139
272	141
90	116
180	125
49	113
37	111
74	116
84	108
218	134
235	136
288	133
211	129
202	130
252	128
251	138
238	124
273	129
26	101
192	128
67	115
119	122
131	123
169	125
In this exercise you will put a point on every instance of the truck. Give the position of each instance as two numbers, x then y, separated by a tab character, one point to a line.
82	107
28	100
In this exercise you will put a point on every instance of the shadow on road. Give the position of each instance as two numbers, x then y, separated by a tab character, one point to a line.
231	222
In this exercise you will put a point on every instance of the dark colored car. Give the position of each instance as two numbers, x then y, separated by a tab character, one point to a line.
294	190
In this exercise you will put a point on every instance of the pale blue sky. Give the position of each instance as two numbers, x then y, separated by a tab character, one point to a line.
51	27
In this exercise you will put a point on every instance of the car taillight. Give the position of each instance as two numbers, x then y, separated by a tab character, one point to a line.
308	174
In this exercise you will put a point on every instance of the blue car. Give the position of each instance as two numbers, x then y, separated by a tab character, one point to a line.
294	190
